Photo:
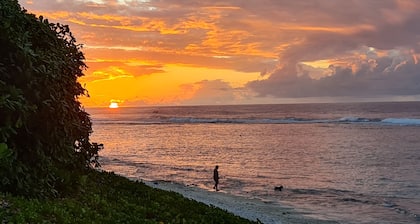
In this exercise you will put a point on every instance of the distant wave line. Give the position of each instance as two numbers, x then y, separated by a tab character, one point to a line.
190	120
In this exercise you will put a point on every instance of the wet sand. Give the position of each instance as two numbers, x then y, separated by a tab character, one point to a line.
251	209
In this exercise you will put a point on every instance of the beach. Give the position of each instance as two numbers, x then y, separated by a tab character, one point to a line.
255	210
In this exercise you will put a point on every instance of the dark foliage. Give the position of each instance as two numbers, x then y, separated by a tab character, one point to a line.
44	131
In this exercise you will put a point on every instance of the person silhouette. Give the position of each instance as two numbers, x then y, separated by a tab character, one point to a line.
216	178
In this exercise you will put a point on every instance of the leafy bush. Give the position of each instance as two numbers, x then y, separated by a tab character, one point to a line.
44	130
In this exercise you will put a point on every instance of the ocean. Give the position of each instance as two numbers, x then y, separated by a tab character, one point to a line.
344	162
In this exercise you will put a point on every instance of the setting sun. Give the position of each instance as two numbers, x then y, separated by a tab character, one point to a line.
113	105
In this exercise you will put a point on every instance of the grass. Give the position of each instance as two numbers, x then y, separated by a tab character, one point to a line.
109	198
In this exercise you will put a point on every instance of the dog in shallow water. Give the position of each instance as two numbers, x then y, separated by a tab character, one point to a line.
278	188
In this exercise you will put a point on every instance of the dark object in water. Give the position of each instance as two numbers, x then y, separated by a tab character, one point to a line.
278	188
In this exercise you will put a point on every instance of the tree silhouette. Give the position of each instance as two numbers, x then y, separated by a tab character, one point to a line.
44	130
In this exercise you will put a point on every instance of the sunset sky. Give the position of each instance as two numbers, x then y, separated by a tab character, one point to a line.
183	52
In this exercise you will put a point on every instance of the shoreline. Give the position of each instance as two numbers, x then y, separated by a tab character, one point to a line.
251	209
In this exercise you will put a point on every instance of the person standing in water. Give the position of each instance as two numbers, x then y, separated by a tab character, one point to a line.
216	178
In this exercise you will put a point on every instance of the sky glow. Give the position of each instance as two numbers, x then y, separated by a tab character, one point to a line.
173	52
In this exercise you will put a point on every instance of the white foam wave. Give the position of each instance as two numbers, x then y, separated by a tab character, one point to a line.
402	121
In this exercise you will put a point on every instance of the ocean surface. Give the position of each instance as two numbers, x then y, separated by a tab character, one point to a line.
348	162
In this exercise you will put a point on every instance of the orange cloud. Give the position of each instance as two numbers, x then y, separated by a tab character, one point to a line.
165	51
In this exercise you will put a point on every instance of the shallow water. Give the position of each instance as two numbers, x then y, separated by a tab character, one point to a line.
336	161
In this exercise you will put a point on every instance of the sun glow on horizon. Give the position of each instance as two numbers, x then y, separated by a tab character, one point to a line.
113	105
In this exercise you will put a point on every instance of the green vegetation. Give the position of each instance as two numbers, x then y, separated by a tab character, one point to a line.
44	131
108	198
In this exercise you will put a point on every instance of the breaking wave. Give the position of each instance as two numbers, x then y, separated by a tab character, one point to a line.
292	120
402	121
